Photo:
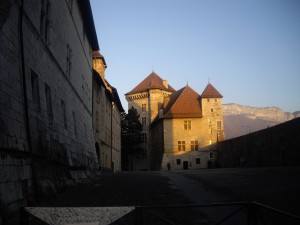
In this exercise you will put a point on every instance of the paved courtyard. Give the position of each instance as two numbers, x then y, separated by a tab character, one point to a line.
274	187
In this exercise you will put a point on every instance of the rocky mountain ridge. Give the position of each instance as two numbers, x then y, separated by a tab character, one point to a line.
274	114
240	120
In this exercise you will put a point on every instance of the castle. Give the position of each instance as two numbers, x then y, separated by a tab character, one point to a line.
181	128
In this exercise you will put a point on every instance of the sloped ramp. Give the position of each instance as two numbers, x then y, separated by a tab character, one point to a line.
74	215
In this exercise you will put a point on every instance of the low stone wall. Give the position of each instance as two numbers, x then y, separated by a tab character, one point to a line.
274	146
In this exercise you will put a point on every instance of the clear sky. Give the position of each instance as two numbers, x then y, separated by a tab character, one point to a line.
249	50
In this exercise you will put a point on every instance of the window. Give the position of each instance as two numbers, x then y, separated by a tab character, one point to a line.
216	100
106	139
178	161
144	121
198	160
211	109
210	131
63	112
209	121
86	137
35	91
69	64
144	137
97	122
181	145
144	107
219	125
218	134
48	102
187	125
75	125
211	155
98	96
144	153
208	100
44	19
210	142
5	9
194	145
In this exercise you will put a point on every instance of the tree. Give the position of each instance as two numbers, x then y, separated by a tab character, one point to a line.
131	137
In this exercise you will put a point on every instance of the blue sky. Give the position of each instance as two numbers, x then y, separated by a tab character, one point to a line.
249	50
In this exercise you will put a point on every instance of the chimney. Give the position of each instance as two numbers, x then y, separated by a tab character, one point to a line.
165	83
166	101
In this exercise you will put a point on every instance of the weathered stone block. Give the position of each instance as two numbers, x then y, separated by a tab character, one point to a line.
5	173
12	142
15	173
19	190
3	140
26	172
10	192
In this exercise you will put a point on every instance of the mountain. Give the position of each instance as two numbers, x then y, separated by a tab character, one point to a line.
240	120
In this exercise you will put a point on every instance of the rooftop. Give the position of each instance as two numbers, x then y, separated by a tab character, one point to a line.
153	81
211	92
184	103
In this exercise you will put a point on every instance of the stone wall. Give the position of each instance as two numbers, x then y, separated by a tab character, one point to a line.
107	123
173	131
46	134
212	112
275	146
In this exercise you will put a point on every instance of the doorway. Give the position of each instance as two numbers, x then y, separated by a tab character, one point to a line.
185	165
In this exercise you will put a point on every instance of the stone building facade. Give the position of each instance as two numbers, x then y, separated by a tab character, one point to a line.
46	131
147	97
183	126
107	110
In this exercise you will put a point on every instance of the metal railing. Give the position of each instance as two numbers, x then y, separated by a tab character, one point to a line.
248	213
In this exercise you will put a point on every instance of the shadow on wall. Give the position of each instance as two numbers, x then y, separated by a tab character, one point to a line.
274	146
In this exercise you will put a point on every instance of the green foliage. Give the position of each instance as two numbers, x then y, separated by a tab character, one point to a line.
131	135
131	127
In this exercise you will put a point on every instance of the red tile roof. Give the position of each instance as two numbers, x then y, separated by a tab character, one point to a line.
97	54
210	92
153	81
184	103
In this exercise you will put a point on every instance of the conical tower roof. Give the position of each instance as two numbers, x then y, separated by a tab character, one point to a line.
211	92
153	81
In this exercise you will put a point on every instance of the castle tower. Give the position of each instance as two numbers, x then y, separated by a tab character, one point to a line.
211	101
99	64
147	97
